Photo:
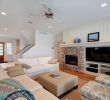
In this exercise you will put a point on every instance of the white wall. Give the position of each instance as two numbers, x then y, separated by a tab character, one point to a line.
23	42
44	42
10	40
26	38
102	26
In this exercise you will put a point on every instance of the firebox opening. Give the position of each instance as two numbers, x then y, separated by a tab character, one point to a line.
71	59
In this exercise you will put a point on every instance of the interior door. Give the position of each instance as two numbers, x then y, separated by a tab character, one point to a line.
1	52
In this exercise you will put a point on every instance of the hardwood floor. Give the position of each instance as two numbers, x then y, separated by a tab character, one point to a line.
81	75
74	94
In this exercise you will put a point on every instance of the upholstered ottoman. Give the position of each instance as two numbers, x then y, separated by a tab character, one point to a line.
103	79
58	82
95	91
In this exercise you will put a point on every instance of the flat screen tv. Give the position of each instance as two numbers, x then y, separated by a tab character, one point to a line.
98	54
92	37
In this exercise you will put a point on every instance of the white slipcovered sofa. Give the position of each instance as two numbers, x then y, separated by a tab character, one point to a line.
38	65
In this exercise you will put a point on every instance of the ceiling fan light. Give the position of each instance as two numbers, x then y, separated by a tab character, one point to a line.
49	26
104	5
3	13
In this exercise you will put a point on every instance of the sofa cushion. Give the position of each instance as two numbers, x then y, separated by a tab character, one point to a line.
44	95
29	61
44	60
3	74
28	83
38	68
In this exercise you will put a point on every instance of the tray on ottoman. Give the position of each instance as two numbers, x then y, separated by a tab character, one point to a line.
58	82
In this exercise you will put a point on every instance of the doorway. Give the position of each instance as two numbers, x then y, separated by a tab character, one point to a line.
1	51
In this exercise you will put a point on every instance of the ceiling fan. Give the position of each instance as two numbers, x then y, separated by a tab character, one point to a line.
45	13
48	12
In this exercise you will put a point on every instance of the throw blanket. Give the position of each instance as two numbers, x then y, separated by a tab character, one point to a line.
11	89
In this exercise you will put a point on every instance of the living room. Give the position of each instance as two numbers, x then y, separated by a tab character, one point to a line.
54	50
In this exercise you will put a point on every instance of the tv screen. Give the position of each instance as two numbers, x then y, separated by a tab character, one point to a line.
98	54
93	37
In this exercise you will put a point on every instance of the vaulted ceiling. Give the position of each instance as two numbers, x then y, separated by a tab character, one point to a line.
68	13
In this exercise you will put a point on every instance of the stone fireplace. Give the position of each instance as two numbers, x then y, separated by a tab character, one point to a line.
75	57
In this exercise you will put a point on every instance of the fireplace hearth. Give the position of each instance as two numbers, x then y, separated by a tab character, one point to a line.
71	60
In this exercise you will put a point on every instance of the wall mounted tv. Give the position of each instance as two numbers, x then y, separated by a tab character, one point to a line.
98	54
92	37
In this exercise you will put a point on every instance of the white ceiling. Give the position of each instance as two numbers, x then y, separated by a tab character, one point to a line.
68	13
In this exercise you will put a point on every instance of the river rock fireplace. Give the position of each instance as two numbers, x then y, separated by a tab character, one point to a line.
72	57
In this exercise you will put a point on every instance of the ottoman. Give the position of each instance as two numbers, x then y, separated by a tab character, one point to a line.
103	79
95	91
58	82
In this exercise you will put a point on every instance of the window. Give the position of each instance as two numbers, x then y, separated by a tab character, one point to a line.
1	49
9	48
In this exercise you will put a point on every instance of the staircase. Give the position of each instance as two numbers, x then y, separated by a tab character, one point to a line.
22	51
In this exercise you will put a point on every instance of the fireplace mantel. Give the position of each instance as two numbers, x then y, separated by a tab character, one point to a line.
87	44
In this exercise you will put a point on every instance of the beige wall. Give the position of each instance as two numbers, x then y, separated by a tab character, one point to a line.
102	26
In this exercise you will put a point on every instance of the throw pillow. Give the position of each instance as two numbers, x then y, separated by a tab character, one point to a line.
53	61
26	66
15	71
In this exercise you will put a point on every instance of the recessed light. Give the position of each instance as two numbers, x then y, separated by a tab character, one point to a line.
3	13
49	27
104	5
5	29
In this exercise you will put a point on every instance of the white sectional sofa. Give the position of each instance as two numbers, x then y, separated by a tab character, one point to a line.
38	65
33	86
